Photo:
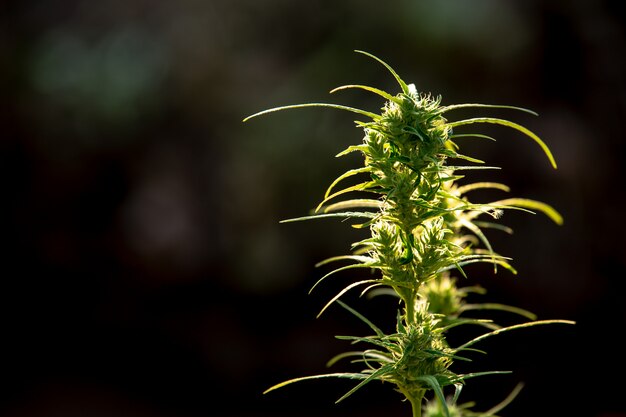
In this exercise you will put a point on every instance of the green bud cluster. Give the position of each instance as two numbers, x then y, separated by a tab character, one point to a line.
422	229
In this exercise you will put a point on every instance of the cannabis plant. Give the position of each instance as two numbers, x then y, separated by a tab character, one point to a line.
423	231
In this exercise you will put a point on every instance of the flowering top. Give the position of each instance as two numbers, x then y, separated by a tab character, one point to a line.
422	228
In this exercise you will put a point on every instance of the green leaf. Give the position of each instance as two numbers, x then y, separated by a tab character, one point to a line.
501	307
488	106
440	354
343	355
358	258
353	148
478	374
499	261
532	205
492	411
372	340
514	327
382	291
345	175
381	93
313	377
515	126
374	375
479	233
362	318
467	158
472	135
434	384
491	225
479	185
347	214
371	115
461	168
457	392
462	322
345	290
405	88
358	187
343	268
493	209
355	203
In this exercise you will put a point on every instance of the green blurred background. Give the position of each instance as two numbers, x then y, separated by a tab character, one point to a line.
144	269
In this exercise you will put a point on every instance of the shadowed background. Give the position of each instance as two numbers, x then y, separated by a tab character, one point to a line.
144	269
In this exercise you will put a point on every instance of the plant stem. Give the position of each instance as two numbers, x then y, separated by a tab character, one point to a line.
409	308
416	404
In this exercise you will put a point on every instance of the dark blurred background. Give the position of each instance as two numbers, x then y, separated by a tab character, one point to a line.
144	269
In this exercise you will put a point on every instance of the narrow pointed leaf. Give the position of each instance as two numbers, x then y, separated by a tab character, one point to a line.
533	205
352	204
362	318
488	106
501	307
313	377
345	175
380	371
381	93
361	259
497	226
479	185
514	327
515	126
343	268
504	402
471	135
341	356
359	187
466	167
467	158
371	115
350	149
405	88
479	233
478	374
347	214
434	384
345	290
